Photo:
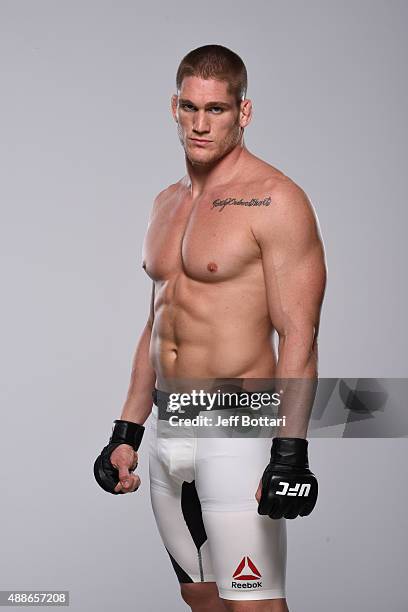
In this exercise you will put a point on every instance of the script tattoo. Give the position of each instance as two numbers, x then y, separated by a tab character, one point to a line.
221	204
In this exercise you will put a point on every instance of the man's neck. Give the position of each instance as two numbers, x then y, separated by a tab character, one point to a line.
203	177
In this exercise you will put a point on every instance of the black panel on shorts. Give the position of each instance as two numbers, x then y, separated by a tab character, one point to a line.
181	574
191	508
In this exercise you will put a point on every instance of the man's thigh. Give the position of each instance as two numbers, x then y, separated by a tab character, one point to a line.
247	550
177	509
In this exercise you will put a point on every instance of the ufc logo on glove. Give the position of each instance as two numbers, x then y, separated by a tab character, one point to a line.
298	490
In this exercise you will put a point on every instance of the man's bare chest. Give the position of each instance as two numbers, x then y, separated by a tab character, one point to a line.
210	239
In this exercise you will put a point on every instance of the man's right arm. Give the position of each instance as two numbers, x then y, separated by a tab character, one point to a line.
114	466
138	404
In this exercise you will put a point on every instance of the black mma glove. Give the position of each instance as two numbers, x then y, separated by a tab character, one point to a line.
289	489
124	432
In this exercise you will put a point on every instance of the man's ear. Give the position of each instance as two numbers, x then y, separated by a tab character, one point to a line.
174	102
245	113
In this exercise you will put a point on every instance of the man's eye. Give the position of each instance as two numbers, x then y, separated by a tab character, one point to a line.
216	109
187	107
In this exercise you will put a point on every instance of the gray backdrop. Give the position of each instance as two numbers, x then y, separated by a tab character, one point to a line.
86	142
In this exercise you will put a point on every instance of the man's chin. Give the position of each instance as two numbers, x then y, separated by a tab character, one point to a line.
202	160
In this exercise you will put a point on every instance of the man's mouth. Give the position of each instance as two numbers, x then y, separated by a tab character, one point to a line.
200	141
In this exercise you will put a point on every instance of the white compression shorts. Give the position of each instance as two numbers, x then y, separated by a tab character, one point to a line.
203	499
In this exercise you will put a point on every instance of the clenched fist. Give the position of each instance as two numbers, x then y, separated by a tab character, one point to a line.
114	466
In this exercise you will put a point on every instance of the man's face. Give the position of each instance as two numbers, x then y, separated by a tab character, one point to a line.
209	119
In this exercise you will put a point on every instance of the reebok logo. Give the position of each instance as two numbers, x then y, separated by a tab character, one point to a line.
297	491
246	572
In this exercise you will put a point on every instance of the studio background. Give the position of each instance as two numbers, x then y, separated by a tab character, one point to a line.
86	143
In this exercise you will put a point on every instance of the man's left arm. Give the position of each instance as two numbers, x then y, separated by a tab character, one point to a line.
295	278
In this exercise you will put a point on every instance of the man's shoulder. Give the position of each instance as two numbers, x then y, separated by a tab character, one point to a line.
290	207
285	193
170	190
274	181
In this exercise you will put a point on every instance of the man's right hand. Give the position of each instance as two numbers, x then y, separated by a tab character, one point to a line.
114	466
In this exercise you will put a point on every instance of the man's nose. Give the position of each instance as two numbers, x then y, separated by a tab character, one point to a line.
201	123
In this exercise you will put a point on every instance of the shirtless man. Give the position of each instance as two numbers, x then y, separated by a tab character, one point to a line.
234	253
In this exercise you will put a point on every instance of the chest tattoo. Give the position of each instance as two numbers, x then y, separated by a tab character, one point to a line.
221	204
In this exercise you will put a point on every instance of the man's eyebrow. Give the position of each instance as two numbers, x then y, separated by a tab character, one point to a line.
208	105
